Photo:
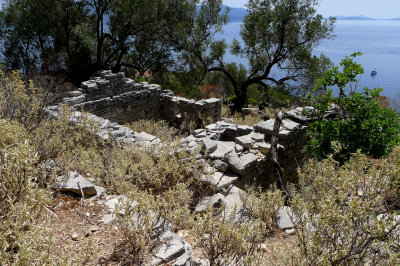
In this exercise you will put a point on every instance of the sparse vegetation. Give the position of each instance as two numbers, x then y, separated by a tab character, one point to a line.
159	128
254	117
263	205
344	215
225	241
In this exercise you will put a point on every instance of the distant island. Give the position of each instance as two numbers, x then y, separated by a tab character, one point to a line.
361	17
237	14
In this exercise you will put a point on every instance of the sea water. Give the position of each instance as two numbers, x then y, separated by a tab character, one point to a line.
378	40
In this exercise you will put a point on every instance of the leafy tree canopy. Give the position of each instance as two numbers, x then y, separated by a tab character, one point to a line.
278	37
79	37
359	121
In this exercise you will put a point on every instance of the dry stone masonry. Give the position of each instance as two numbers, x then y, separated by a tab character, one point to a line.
241	154
120	99
235	154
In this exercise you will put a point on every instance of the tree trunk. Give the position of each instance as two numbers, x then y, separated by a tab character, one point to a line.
240	100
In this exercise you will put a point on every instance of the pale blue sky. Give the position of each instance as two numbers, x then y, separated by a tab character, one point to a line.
370	8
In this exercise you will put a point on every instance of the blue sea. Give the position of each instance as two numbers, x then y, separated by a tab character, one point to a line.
378	40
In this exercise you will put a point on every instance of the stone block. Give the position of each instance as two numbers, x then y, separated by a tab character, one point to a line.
223	148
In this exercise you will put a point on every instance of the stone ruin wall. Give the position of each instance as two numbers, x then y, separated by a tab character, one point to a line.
120	99
239	153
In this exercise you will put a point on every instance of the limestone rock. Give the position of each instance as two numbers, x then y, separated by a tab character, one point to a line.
234	205
234	163
212	179
113	201
75	100
220	165
262	147
171	248
238	148
239	165
290	125
283	218
214	201
257	137
265	126
78	184
209	146
245	141
227	180
200	262
290	232
143	136
249	160
75	236
183	260
108	218
100	192
223	148
75	93
200	133
94	228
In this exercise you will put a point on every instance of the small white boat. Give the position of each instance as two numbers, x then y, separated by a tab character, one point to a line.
374	72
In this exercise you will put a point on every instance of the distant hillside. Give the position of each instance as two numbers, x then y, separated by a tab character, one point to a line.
354	18
237	14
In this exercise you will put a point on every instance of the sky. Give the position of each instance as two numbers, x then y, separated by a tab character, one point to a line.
369	8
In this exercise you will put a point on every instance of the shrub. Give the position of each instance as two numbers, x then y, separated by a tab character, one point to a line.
342	213
226	241
23	239
144	217
21	102
263	205
28	138
361	122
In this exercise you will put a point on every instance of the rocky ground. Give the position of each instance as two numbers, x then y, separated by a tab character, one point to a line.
84	218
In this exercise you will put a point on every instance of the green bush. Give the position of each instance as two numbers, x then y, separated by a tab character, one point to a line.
360	121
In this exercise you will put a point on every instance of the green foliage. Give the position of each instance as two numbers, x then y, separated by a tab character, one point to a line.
239	72
277	35
343	216
343	78
252	102
279	96
181	83
78	38
141	79
360	123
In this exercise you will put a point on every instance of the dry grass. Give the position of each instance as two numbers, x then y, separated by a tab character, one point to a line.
281	250
278	249
253	118
159	128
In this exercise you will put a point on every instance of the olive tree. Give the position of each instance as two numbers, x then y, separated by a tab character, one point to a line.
278	38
